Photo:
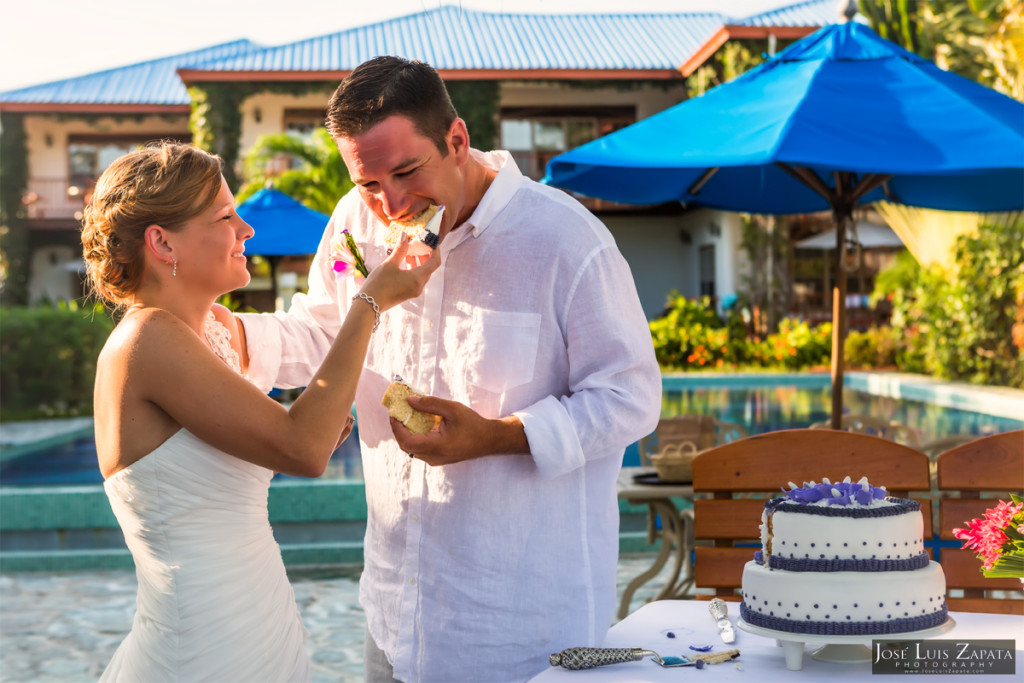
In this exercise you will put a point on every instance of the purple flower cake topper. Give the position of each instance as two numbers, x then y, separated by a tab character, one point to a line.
845	492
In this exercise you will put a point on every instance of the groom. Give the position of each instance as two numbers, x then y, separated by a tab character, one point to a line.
496	544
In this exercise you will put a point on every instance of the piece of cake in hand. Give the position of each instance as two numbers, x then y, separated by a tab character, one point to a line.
422	229
396	400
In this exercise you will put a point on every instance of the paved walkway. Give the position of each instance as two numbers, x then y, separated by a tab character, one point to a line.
64	627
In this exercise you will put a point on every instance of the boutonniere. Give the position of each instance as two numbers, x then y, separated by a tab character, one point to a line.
345	256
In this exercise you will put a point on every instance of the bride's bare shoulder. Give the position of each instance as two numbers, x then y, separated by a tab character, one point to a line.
150	327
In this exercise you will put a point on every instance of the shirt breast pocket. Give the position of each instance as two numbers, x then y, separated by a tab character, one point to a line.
506	351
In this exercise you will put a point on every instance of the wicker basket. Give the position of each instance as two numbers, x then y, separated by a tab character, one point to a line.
675	462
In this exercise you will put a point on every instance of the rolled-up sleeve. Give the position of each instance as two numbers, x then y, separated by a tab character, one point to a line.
614	393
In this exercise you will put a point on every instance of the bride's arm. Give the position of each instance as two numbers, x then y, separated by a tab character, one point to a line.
176	371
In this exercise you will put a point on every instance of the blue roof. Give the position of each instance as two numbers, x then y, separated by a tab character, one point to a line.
152	82
450	38
454	38
810	13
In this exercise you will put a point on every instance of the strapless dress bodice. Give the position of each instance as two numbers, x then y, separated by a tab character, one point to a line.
214	601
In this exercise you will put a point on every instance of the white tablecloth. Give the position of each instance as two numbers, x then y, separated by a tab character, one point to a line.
761	660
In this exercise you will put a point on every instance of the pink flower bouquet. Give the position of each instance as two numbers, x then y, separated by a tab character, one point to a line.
998	539
345	256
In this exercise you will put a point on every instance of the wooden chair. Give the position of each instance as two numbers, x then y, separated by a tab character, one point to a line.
866	424
696	429
727	432
739	477
935	447
991	466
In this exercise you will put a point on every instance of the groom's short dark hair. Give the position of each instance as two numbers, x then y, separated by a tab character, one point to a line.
392	86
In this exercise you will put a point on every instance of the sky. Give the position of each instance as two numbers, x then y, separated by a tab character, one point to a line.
48	40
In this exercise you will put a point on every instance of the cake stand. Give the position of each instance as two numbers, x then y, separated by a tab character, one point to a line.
836	649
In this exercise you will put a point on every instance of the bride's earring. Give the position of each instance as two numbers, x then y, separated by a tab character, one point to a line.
174	271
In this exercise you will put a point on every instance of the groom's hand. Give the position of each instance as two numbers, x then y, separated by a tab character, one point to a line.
462	435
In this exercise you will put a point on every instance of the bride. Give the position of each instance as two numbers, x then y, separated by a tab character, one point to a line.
187	447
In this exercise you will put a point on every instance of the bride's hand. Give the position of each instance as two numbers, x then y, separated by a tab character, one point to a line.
390	285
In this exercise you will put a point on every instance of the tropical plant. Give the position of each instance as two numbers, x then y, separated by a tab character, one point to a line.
998	539
961	323
308	169
1005	42
982	40
896	21
872	348
734	58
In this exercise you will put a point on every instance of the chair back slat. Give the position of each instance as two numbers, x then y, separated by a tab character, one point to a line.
985	605
954	513
991	463
767	462
721	567
963	570
727	519
972	478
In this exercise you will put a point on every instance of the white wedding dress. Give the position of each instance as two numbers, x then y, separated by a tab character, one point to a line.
214	601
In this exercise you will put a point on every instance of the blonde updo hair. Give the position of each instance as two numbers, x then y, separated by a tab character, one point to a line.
164	183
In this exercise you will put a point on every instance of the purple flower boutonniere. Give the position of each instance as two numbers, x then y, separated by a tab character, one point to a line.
345	257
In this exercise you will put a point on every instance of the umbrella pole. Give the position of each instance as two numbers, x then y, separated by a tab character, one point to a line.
848	191
839	321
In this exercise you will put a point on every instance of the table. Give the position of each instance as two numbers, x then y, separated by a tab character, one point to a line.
675	533
761	659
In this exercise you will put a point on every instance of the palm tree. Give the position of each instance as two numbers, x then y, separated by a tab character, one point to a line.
896	21
308	169
982	40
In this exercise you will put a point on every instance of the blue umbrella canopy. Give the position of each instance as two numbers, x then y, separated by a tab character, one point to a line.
283	226
839	118
841	100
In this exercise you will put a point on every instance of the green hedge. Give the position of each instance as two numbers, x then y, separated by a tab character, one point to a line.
49	360
691	336
966	323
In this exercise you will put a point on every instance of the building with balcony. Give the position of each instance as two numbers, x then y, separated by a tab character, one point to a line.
547	83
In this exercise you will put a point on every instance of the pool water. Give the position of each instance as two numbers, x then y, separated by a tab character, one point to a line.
74	462
759	404
767	409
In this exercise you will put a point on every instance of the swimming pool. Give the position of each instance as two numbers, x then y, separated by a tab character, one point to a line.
760	403
74	462
761	407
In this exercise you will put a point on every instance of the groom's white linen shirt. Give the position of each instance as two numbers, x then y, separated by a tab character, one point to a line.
533	312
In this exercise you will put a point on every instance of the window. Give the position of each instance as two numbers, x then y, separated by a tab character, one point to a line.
534	135
302	122
707	271
90	155
89	159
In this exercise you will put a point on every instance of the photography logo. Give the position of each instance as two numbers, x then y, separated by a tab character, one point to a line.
943	657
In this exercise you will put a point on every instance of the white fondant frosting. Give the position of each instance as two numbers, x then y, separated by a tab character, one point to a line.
844	602
789	532
842	567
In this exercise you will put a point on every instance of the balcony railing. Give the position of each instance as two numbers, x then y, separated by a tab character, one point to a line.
60	198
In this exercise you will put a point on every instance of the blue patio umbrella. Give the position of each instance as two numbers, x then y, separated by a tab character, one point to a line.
282	225
839	118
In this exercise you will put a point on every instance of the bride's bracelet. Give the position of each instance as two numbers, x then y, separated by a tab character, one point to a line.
376	308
